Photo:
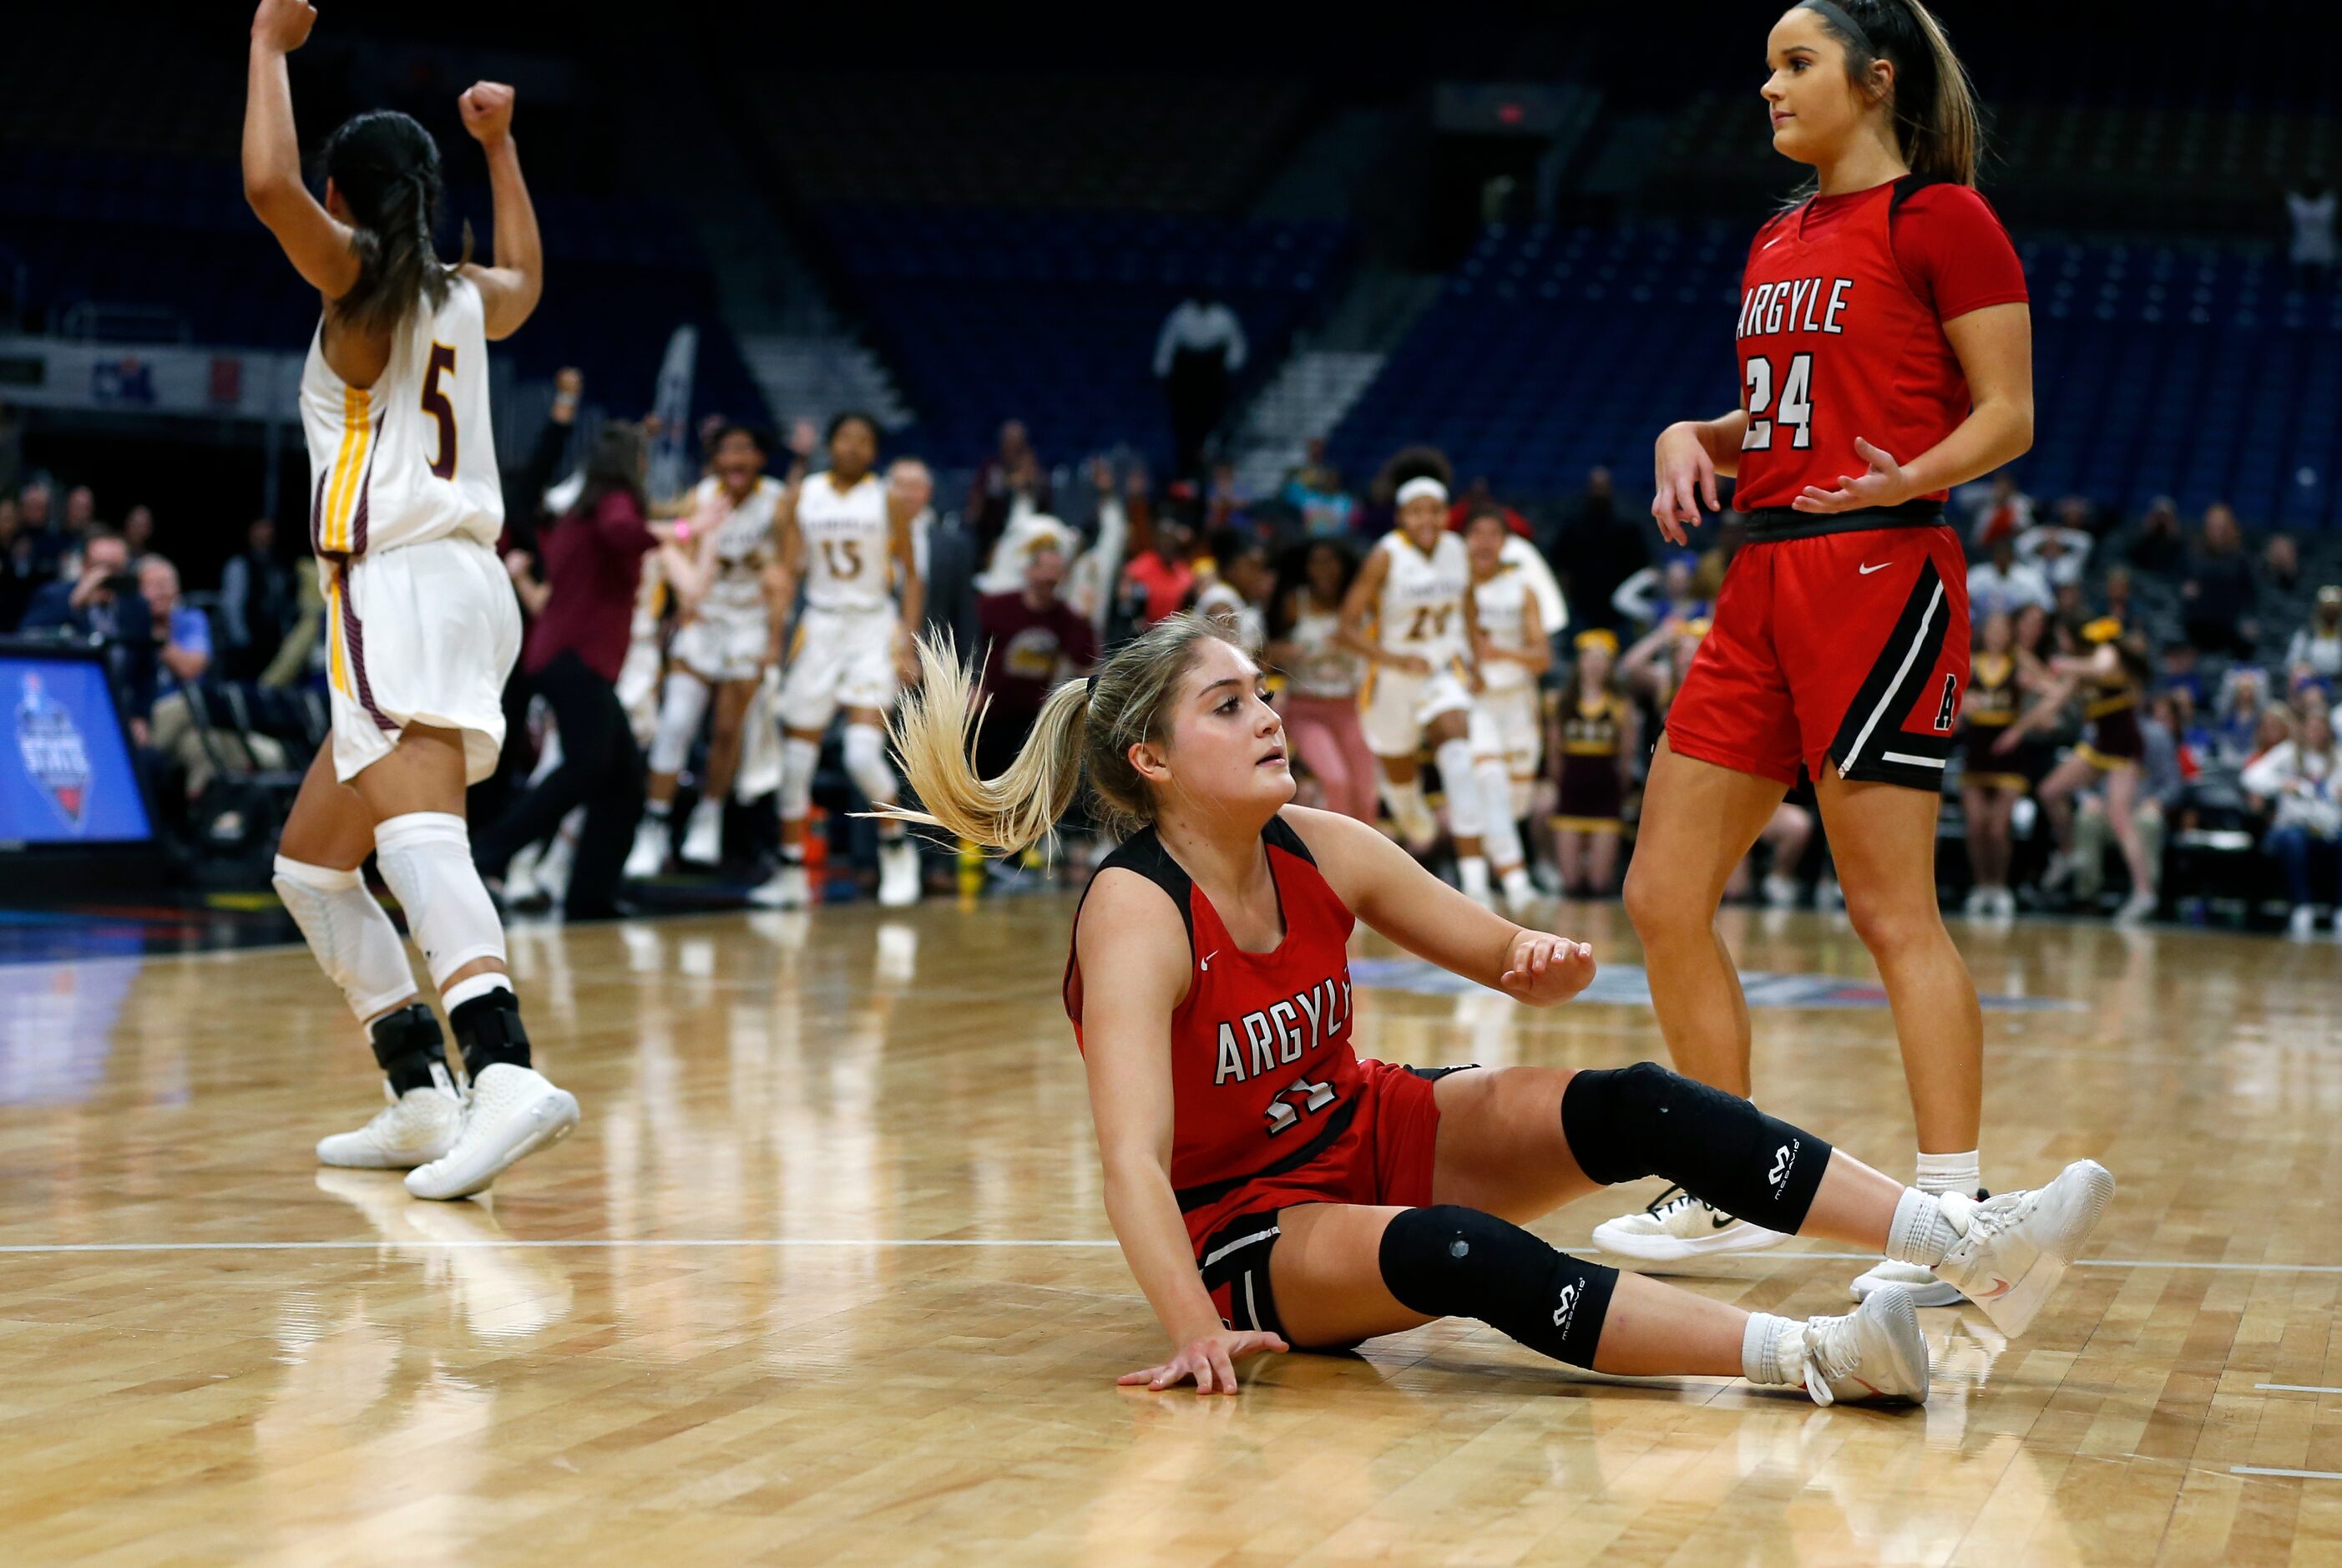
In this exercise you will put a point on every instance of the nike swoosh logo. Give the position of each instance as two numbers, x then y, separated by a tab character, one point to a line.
1867	571
1768	244
1720	1220
1999	1288
1206	963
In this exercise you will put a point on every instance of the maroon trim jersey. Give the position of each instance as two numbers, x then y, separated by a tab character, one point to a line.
1263	1076
1840	332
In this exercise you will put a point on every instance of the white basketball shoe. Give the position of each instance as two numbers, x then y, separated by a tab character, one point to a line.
1927	1288
2015	1248
898	873
788	888
649	857
514	1112
703	838
1678	1226
414	1129
1873	1355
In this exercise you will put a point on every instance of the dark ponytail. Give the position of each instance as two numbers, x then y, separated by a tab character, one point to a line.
386	169
1934	106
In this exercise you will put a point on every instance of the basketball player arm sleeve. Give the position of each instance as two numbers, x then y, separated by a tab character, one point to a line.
1386	887
1129	930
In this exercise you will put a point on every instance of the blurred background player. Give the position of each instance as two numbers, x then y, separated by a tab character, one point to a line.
735	610
1601	734
1416	589
2000	676
1512	652
1323	679
423	627
848	537
2112	680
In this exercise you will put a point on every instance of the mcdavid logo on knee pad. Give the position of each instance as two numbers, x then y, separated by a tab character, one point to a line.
1785	1160
1568	1306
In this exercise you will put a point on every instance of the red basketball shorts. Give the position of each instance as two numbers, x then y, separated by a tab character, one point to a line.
1384	1156
1844	650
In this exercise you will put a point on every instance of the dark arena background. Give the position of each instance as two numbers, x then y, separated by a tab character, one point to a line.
1166	305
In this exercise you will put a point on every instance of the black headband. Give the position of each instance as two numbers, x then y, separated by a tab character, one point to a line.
1845	23
1089	690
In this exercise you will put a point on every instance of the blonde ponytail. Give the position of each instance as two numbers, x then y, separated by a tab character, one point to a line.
1086	727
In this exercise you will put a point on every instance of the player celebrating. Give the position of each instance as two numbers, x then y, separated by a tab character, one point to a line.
1416	588
421	620
846	535
1507	723
1885	355
1271	1189
2114	677
739	603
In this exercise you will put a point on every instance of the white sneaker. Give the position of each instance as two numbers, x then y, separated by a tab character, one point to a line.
2004	904
1472	877
1873	1354
703	840
898	873
2135	908
1978	904
1925	1288
1679	1227
649	857
2057	872
520	878
415	1129
1781	892
515	1112
1520	893
787	888
2014	1248
2303	925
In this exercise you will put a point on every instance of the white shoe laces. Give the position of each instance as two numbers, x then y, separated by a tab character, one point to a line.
1825	1349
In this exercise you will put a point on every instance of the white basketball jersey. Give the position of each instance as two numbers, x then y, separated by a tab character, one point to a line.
1504	620
1422	606
846	537
743	540
411	457
1324	669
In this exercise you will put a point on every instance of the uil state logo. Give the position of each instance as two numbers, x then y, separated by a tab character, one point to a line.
55	758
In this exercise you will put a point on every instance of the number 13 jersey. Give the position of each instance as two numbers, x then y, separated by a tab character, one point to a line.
1836	341
412	456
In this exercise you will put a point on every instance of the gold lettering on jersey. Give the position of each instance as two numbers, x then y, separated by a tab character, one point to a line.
1791	305
1281	1034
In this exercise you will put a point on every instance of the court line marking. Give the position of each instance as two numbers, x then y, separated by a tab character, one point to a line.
2298	1387
2298	1474
2078	1262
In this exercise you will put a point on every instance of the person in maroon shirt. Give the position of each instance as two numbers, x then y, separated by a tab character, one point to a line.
593	563
1887	355
1031	638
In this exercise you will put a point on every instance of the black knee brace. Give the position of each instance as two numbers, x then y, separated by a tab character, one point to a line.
1450	1261
489	1030
1622	1122
408	1044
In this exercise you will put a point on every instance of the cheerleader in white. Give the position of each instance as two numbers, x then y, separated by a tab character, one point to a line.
422	624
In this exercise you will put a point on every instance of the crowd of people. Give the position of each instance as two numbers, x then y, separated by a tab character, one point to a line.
2133	683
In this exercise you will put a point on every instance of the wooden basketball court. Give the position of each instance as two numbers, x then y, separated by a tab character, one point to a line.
825	1277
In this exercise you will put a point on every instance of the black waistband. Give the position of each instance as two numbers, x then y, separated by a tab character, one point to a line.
1767	524
1196	1197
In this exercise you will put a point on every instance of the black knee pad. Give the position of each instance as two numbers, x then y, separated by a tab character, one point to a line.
1450	1261
408	1044
1624	1123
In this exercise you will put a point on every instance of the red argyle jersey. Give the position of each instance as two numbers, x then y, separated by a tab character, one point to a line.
1263	1079
1838	339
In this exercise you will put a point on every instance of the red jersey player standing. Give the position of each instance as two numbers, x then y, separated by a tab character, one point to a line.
1885	355
1270	1188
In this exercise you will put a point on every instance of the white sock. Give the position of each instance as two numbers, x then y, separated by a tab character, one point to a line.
1961	1173
1760	1356
657	809
1472	872
1921	1232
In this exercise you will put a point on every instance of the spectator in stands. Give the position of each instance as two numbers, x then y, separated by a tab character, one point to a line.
2156	546
1327	511
1997	511
2057	552
592	561
17	576
1032	641
182	634
2310	248
1236	596
2004	585
2238	719
2179	671
2316	648
1596	551
2281	563
257	601
2078	513
101	607
1009	481
2217	592
2302	779
81	518
1201	345
1158	582
41	527
1658	597
2116	597
138	533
